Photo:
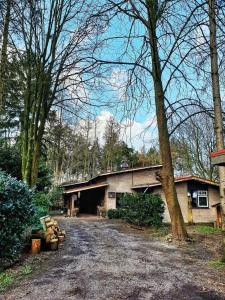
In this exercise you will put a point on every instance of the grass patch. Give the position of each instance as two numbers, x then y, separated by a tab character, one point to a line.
5	280
216	264
27	269
10	277
206	229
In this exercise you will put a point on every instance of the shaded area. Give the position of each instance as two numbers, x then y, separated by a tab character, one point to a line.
89	200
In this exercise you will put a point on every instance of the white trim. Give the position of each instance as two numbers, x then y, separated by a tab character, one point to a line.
201	193
84	188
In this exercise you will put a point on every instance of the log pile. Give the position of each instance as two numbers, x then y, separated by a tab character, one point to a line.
52	233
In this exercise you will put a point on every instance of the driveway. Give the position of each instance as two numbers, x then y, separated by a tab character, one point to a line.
102	259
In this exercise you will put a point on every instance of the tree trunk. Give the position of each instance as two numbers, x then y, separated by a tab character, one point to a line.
167	174
4	53
86	154
31	149
217	108
35	162
25	137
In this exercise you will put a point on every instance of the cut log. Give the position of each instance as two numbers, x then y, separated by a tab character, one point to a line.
54	243
61	238
35	246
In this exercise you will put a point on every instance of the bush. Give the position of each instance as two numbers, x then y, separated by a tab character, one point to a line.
43	201
42	204
142	209
55	197
16	213
40	211
115	213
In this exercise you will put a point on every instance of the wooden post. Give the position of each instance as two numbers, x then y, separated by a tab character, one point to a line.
73	208
190	215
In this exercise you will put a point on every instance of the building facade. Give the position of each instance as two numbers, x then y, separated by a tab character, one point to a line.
198	197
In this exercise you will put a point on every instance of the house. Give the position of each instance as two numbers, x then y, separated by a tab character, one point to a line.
198	197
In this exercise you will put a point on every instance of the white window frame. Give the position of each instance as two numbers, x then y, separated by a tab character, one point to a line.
202	194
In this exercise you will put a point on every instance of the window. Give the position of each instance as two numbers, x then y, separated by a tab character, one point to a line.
200	199
203	199
111	194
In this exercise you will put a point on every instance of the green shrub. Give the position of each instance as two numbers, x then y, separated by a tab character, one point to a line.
40	211
115	213
42	204
142	209
16	213
55	196
48	199
41	200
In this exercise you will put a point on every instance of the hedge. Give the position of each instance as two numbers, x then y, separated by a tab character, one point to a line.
16	213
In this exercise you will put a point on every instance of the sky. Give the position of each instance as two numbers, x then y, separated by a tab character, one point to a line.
136	117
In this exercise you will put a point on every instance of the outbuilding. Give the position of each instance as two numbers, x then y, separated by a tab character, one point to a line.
197	196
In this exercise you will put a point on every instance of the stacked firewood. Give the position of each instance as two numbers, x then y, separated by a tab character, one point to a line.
52	233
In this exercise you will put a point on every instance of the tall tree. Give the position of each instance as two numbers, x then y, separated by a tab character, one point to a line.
3	62
86	169
191	144
57	36
167	174
111	137
96	154
157	44
217	104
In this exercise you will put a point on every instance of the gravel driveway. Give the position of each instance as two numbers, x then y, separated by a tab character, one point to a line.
102	260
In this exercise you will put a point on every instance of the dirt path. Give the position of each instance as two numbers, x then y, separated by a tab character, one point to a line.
101	260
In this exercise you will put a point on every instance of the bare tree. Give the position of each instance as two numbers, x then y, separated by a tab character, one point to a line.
217	104
192	142
55	39
156	46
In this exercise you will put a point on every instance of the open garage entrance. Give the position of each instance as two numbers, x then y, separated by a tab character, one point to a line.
90	199
84	199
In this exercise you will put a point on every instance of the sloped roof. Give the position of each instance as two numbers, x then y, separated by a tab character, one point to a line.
84	188
112	173
179	179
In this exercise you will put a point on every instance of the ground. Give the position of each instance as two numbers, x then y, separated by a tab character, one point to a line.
103	259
